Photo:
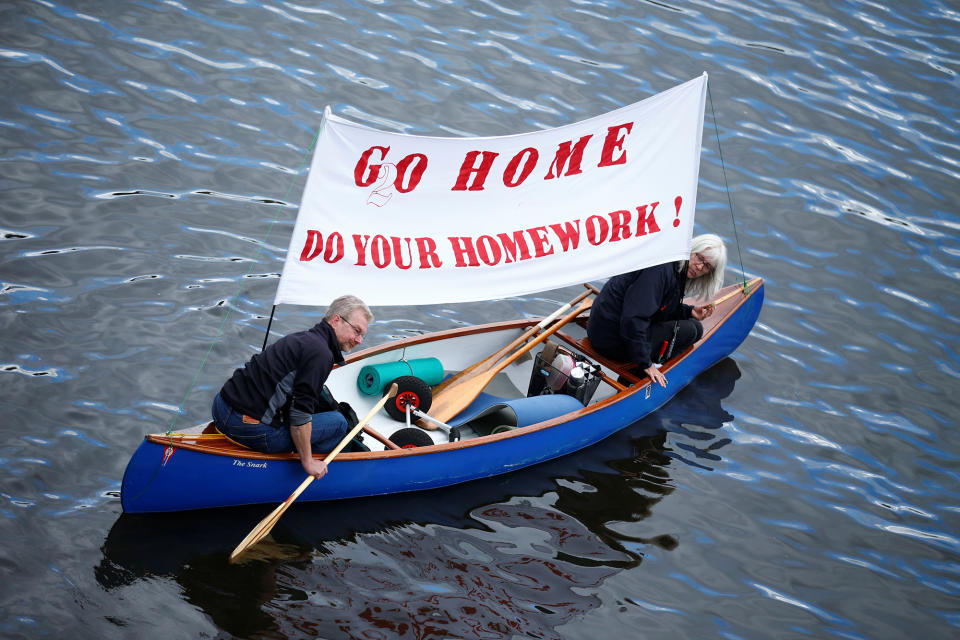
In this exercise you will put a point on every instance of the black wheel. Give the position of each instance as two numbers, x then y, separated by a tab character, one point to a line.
412	392
409	437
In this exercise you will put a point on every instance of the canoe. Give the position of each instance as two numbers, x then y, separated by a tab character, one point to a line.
199	468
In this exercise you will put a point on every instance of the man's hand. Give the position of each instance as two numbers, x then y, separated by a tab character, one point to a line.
301	440
314	467
655	375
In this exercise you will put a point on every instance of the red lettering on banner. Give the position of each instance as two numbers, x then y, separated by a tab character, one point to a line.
469	168
597	230
488	250
619	221
568	234
427	248
384	252
512	244
646	223
510	177
491	250
398	252
383	190
463	248
564	153
415	175
361	247
364	175
313	246
380	251
613	143
476	165
540	241
333	250
491	253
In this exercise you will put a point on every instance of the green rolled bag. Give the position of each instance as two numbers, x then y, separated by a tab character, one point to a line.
374	378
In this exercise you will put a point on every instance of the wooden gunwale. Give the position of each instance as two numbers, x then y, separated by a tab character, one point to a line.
225	447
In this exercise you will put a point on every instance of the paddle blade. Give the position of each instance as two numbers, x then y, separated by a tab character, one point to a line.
258	533
265	525
460	393
456	397
490	361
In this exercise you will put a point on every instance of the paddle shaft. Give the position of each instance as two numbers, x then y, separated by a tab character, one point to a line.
491	360
456	397
265	525
725	297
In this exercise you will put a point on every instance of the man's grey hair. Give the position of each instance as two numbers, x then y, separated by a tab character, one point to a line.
345	305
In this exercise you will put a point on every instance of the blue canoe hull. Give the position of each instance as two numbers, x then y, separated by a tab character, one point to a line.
165	474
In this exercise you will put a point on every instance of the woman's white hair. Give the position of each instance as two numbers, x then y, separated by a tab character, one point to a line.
712	248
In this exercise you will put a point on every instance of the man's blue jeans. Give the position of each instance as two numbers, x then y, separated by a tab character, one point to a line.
329	428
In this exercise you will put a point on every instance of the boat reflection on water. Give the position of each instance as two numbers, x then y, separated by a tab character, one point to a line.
502	555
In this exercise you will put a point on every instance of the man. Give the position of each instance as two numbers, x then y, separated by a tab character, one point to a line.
273	403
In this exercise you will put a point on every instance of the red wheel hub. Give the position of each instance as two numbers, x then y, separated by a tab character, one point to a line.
406	399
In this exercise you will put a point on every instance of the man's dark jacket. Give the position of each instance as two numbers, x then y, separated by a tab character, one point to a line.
282	385
619	326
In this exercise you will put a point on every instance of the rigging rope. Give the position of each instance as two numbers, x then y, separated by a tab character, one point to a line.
726	184
236	297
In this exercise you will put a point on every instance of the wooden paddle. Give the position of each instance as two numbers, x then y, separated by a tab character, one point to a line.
725	297
455	397
491	360
262	529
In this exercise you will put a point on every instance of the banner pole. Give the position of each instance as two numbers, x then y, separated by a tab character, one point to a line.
269	324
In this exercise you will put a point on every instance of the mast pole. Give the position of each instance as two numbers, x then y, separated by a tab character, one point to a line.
269	324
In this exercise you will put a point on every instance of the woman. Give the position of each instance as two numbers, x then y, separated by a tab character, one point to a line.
640	317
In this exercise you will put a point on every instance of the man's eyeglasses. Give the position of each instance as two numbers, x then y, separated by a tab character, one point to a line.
360	334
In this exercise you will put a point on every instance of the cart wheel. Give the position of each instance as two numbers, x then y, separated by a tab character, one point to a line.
410	437
412	392
502	428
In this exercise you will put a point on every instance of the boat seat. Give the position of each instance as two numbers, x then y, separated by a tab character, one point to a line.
621	368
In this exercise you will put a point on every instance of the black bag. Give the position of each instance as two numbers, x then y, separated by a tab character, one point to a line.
329	403
356	444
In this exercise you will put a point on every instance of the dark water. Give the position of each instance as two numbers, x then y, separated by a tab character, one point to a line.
807	487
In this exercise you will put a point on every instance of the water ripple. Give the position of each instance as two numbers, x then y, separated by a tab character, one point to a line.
142	143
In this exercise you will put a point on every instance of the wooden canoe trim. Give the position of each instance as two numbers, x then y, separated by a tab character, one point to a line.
616	384
382	439
211	429
225	448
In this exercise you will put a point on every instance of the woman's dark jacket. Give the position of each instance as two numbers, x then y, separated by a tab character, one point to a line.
619	326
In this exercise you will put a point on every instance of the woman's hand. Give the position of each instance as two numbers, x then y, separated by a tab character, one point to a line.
702	313
655	375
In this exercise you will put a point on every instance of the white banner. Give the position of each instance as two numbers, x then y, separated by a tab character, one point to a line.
400	220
